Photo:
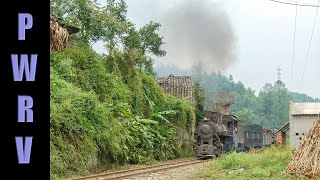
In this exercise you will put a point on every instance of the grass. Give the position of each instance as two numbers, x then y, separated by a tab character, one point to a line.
267	163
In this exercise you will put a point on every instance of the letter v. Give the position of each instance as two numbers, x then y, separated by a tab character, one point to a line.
23	152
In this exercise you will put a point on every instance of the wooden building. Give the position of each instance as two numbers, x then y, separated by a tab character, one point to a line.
178	86
301	118
281	134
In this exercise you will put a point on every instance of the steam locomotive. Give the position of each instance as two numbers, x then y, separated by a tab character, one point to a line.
218	133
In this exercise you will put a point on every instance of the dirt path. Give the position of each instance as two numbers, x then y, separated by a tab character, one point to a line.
181	173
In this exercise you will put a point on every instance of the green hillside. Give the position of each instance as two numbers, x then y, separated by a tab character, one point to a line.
108	110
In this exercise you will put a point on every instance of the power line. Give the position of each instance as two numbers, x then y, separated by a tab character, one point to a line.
294	38
314	22
296	4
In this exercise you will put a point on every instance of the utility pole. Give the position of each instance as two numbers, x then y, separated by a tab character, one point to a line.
279	73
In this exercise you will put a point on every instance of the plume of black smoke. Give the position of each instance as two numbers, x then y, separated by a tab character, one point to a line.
197	31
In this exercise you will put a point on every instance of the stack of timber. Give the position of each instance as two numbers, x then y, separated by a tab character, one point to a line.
58	35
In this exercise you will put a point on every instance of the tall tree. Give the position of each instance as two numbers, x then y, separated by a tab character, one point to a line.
248	116
116	26
151	40
146	41
108	23
198	93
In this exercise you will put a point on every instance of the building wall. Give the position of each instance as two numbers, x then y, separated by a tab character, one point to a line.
267	136
240	132
301	118
281	138
299	126
247	138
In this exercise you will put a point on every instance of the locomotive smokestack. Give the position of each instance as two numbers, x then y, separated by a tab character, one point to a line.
223	100
225	109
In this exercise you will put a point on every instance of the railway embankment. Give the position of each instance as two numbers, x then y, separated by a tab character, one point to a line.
178	168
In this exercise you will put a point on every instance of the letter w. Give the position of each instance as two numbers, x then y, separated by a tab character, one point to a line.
24	67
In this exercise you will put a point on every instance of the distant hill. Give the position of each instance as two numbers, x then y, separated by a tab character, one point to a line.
300	97
165	70
268	107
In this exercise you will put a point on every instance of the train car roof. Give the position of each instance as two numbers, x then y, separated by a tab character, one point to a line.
253	128
234	116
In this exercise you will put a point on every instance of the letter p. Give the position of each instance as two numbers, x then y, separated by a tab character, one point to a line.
25	21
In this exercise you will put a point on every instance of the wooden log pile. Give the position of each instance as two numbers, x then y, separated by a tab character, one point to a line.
306	159
58	35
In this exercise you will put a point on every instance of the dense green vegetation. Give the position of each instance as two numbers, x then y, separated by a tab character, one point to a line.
108	110
268	107
268	163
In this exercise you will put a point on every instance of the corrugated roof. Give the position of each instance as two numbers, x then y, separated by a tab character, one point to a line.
307	108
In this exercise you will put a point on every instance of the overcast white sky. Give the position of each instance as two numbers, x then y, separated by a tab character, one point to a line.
264	38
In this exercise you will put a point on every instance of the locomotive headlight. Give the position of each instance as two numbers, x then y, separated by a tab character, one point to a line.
205	129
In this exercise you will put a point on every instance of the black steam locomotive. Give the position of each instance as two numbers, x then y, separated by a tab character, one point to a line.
218	133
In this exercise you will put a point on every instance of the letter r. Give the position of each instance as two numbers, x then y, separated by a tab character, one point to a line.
25	104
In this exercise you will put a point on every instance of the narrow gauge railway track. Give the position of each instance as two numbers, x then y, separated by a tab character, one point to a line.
138	171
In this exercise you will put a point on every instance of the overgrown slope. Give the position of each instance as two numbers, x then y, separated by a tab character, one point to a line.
104	112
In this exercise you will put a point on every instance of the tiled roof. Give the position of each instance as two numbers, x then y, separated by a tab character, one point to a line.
307	108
